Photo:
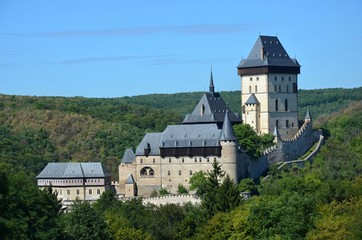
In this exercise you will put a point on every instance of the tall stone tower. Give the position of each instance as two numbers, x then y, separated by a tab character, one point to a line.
269	88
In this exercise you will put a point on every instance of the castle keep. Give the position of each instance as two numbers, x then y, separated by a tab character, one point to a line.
269	88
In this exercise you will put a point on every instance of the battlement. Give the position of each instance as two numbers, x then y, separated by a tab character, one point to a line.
181	199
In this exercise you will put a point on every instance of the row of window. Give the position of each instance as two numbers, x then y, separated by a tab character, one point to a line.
179	172
182	160
275	78
69	181
77	191
276	88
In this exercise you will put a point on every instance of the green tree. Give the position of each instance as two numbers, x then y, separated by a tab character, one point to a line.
197	182
252	143
84	223
181	189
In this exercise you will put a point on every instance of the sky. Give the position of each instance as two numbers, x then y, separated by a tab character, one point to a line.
126	48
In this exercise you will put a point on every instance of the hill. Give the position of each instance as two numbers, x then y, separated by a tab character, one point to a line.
37	130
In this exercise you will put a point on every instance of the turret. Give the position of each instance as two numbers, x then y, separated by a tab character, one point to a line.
308	117
229	149
276	135
130	187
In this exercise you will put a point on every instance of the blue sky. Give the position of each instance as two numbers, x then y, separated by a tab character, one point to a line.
126	48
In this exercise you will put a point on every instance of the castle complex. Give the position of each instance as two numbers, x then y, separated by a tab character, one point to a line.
269	99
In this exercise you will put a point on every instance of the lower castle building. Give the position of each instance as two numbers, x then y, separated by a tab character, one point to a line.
168	159
75	180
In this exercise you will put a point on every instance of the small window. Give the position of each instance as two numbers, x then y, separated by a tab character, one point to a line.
287	88
287	123
68	192
292	124
215	159
249	89
280	88
141	160
289	79
154	160
183	160
169	160
208	159
275	88
277	123
256	89
169	173
286	105
257	78
190	172
77	191
276	105
179	172
200	159
195	159
98	191
275	78
282	78
90	191
251	79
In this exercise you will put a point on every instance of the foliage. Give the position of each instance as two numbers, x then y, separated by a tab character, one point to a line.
251	142
84	222
219	197
26	211
248	185
163	191
197	182
181	189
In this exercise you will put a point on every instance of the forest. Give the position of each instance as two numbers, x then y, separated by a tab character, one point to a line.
320	201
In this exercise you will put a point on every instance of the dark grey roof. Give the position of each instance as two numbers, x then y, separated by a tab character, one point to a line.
130	179
73	170
227	133
210	109
193	135
252	100
128	156
154	140
268	51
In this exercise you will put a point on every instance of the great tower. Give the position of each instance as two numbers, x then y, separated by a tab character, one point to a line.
269	88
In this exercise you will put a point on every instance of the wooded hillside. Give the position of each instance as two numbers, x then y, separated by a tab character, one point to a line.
37	130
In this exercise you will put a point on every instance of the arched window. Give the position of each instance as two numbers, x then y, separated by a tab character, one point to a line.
147	172
68	192
90	191
276	105
98	191
286	105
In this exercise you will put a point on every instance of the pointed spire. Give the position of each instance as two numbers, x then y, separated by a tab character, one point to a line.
276	135
211	87
308	117
227	132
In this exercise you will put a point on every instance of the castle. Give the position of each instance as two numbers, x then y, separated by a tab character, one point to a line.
269	94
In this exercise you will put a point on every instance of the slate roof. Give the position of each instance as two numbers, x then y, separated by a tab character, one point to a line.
214	109
273	51
227	133
128	156
252	99
193	135
73	170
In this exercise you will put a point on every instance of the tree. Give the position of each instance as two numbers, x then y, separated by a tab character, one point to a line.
197	182
252	143
181	189
85	223
219	197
